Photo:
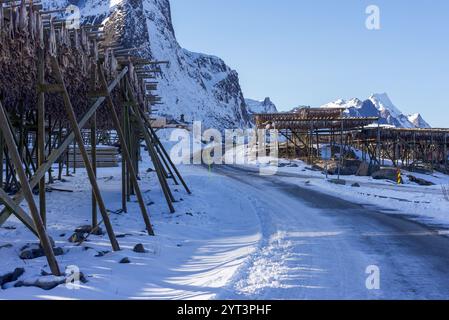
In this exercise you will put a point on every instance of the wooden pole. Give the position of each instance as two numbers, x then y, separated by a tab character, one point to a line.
79	138
2	147
127	141
61	158
74	156
166	190
164	151
125	153
124	175
41	135
50	147
28	193
93	153
167	166
445	151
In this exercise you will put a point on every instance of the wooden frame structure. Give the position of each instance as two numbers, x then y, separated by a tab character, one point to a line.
33	140
305	130
411	148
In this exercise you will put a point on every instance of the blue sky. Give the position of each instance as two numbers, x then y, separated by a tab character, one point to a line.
312	52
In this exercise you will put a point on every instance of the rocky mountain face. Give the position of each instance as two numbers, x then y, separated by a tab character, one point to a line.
379	105
196	86
265	106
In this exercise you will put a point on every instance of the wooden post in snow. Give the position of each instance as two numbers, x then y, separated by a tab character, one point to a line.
28	193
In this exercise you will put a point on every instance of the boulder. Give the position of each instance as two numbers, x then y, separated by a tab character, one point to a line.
30	254
421	182
89	230
338	181
125	261
45	282
363	170
101	254
385	174
355	185
139	248
11	276
77	237
347	168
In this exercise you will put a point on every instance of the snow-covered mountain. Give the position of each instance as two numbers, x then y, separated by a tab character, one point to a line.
198	86
418	121
265	106
379	105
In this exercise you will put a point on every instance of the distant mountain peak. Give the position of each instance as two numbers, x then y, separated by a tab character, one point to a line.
379	105
418	121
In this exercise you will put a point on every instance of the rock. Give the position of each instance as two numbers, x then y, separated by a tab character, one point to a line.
385	174
348	167
45	282
125	261
121	235
373	168
139	248
84	229
421	182
77	237
29	254
315	168
11	276
101	254
355	185
363	170
338	181
89	230
6	246
288	165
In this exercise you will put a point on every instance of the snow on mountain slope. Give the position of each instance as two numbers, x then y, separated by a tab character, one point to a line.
353	103
418	121
265	106
379	105
198	86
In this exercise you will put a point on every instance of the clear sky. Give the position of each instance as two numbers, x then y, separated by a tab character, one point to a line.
312	52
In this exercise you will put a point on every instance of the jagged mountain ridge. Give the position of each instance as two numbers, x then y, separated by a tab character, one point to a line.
198	86
265	106
379	105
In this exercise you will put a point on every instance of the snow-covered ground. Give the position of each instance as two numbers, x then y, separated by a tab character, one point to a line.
196	250
424	203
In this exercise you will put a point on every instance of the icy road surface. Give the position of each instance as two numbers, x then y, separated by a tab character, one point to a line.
317	246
